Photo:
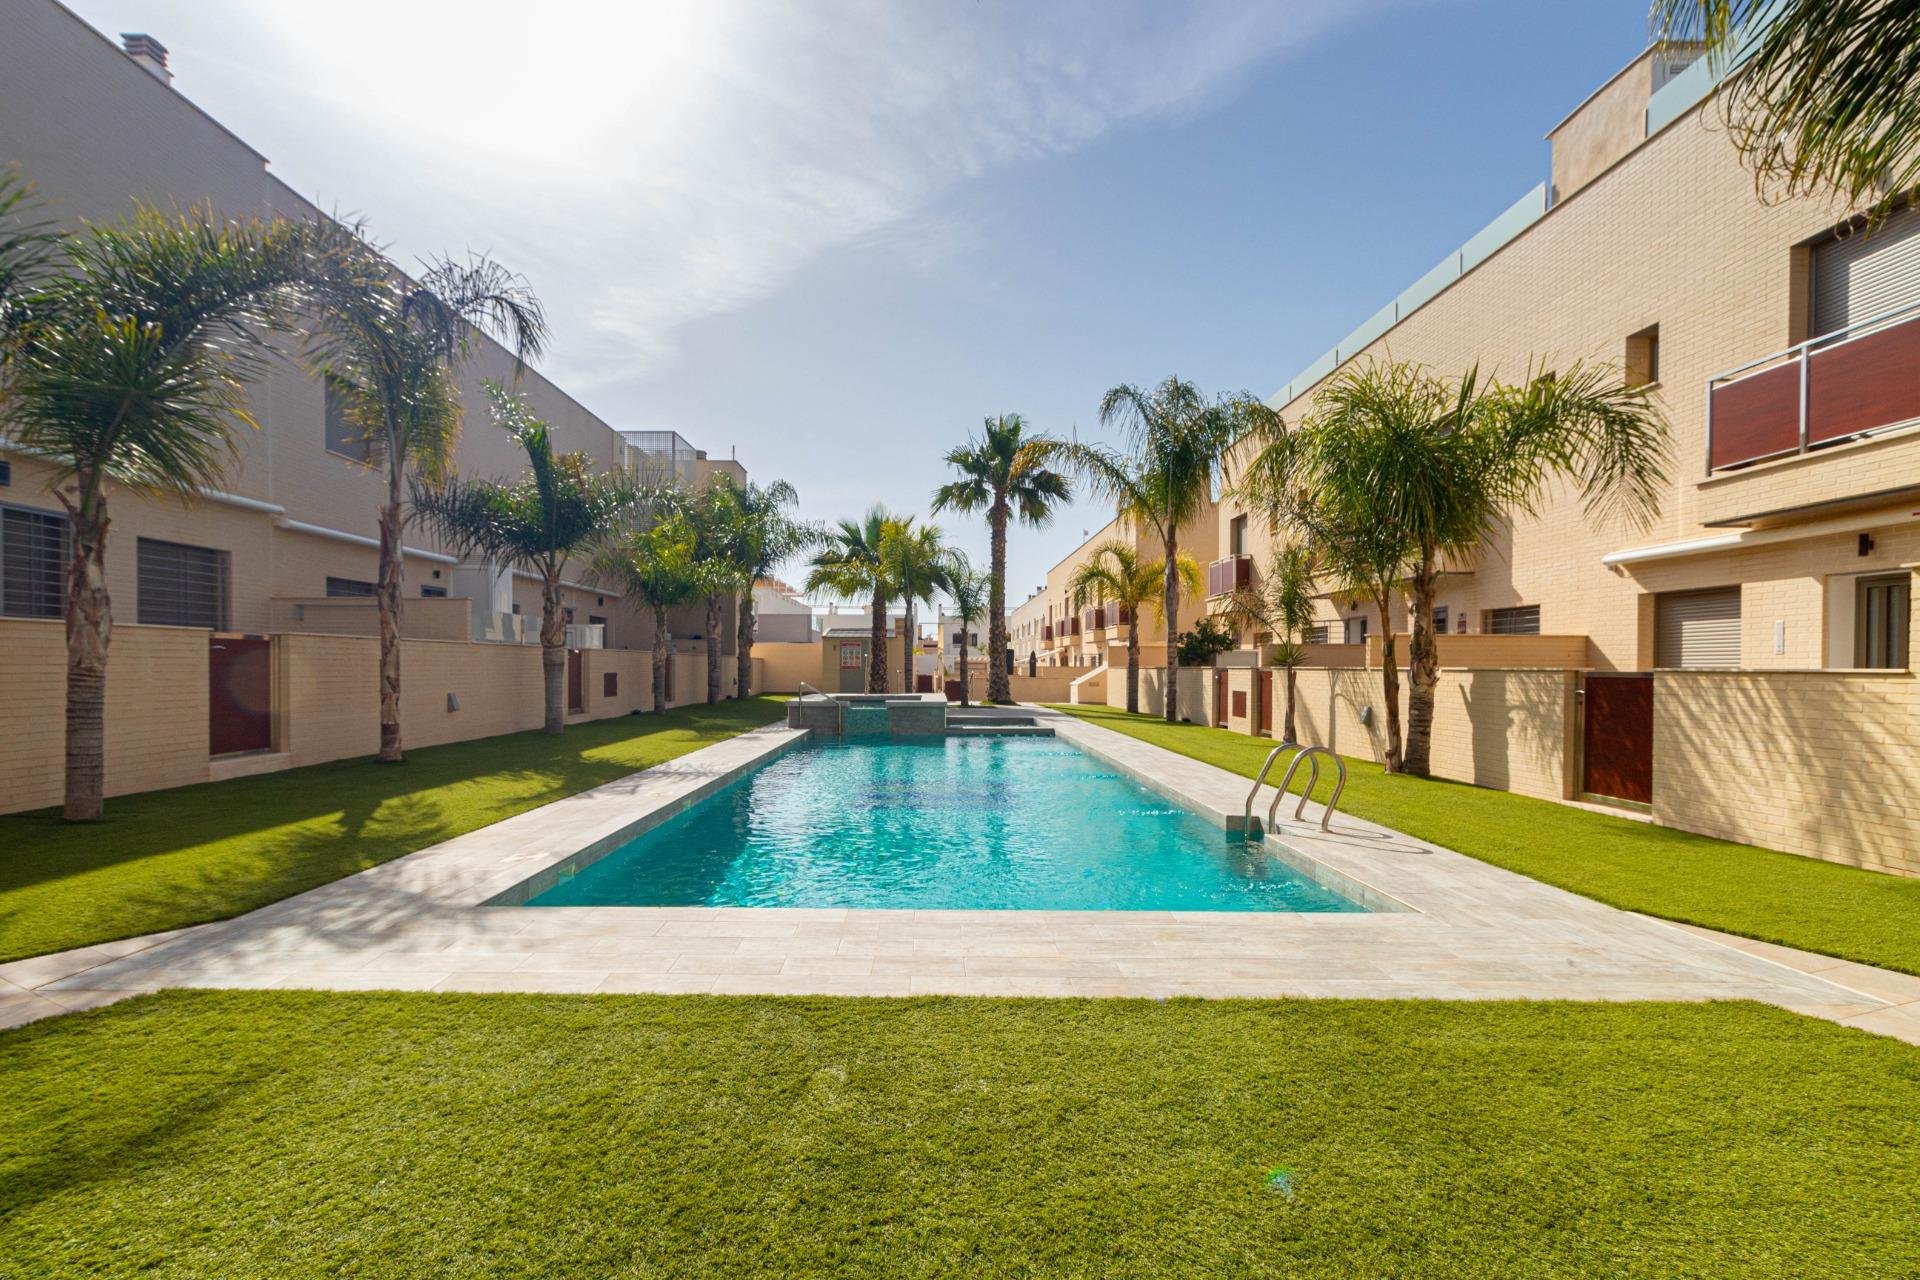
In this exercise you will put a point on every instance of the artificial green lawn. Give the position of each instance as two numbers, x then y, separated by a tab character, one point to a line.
1757	893
249	1134
171	858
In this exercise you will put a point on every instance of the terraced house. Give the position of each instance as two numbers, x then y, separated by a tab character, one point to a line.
246	620
1742	667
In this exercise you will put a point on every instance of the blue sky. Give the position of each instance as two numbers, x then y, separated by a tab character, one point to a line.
836	235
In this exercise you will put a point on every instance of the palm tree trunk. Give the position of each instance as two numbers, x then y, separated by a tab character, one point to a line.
999	688
387	594
1423	671
908	677
89	631
877	646
1389	682
963	663
713	649
553	648
743	647
1171	601
661	642
1289	734
1133	661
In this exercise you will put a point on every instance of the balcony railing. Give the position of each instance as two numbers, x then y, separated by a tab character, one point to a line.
1839	386
1224	577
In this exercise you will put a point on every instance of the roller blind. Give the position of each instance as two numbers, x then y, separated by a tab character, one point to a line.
1698	628
1860	276
181	586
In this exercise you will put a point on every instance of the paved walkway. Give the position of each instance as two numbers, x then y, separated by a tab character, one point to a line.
1466	930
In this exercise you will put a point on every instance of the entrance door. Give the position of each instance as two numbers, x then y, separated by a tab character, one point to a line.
576	699
853	666
1266	706
1617	741
239	694
1220	697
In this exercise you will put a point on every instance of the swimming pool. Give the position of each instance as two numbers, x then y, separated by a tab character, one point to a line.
945	822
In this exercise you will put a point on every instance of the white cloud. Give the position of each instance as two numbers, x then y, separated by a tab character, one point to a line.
651	164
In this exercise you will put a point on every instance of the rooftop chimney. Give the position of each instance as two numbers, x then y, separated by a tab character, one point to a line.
148	52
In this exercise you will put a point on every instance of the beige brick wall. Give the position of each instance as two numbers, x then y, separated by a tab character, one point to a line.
1830	775
156	712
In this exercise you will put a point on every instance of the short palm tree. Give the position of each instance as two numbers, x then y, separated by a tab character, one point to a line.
126	364
657	564
851	564
1116	575
560	510
391	346
919	566
1176	442
1281	603
764	537
1415	465
970	591
1004	472
1823	97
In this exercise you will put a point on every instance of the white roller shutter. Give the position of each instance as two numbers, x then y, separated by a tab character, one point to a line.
1866	274
1698	628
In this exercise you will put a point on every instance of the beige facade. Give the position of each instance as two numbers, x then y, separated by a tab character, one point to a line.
1064	632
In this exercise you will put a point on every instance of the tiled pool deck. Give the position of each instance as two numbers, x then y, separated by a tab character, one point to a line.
1473	931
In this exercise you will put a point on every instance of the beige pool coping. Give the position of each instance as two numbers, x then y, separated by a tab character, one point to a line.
1467	930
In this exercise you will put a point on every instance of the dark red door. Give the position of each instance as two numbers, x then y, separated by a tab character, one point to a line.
576	694
239	694
1266	703
1220	697
1617	741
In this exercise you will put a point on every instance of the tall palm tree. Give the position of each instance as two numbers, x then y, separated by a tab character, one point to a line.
1434	467
764	537
560	510
658	565
127	365
851	563
1003	472
1115	574
1823	95
391	347
919	565
1282	604
1176	442
970	591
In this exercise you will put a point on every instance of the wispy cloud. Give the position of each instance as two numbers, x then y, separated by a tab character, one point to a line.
652	164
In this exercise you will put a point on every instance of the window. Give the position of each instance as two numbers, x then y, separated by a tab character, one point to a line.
344	436
1355	630
1237	536
432	593
1523	620
348	587
1317	634
1865	274
1697	628
1643	357
33	559
1440	620
1880	622
181	586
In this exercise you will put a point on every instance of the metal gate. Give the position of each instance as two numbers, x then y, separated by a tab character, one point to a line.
1616	758
239	694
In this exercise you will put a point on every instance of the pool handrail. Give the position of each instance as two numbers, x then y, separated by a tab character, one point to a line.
806	689
1246	817
1310	755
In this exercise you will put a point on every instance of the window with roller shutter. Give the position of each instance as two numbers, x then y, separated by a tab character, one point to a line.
1698	628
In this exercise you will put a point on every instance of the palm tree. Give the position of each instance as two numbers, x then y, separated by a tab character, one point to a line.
1281	603
763	537
1823	97
560	510
1003	472
1429	469
1176	444
851	564
1116	575
128	365
970	590
391	347
918	565
658	565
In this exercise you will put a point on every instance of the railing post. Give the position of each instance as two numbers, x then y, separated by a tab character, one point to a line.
1709	426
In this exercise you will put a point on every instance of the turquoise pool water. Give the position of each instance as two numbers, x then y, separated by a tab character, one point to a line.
1006	823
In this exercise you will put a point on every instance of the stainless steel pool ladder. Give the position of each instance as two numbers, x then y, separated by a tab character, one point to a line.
1311	755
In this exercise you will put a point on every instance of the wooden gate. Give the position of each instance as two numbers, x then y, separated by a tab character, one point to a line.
1220	697
1616	757
1266	705
576	694
239	694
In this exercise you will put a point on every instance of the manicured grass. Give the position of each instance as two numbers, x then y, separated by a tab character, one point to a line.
1757	893
172	858
251	1134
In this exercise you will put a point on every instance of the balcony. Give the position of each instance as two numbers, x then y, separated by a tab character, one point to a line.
1094	619
1224	577
1046	634
1834	388
1071	627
